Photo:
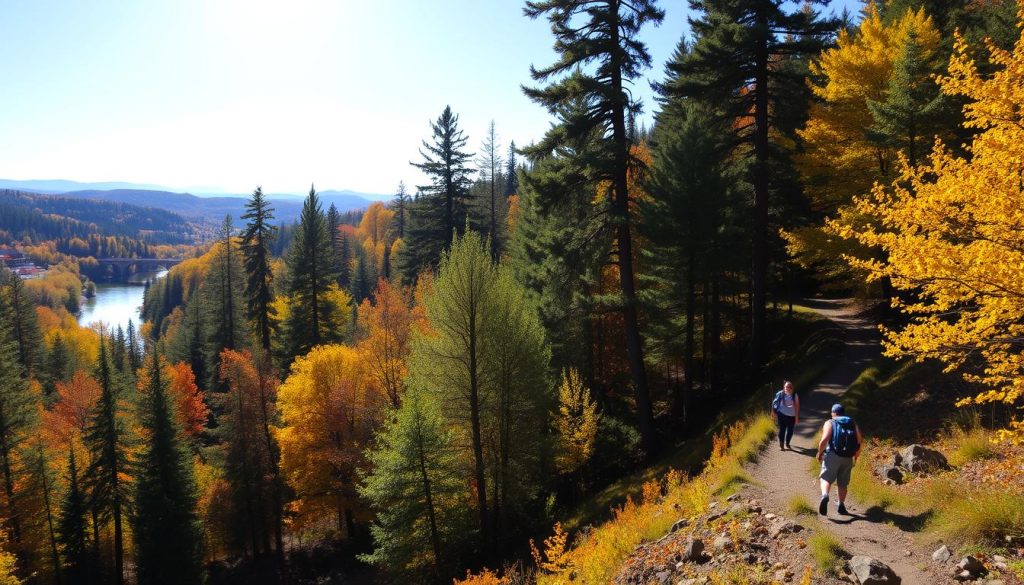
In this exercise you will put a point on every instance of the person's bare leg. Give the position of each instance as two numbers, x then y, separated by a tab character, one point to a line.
842	493
823	504
826	487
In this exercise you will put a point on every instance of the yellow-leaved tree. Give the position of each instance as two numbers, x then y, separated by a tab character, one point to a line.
841	159
576	422
952	231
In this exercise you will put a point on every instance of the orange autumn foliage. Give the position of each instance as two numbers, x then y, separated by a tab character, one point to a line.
190	401
389	322
67	420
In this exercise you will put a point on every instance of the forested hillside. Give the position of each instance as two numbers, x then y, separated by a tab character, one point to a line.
538	338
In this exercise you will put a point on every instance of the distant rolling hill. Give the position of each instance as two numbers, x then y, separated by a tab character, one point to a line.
287	206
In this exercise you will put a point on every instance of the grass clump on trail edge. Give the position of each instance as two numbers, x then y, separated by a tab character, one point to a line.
598	555
799	506
828	553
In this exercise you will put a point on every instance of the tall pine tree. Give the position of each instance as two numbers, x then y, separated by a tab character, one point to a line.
165	524
598	55
256	240
72	529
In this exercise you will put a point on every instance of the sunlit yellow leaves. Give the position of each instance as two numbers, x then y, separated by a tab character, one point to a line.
953	233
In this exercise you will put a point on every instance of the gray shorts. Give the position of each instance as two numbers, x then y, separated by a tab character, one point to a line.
836	469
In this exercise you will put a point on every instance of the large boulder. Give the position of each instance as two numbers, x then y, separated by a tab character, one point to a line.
920	459
869	571
942	555
694	550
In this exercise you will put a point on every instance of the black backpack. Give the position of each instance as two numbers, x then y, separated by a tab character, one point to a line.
844	437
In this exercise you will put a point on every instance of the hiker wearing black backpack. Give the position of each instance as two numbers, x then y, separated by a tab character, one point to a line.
837	451
786	412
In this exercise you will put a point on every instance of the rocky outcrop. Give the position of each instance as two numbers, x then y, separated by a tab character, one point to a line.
920	459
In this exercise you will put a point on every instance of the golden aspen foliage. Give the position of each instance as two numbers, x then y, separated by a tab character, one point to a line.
328	418
953	234
389	322
8	563
839	160
576	423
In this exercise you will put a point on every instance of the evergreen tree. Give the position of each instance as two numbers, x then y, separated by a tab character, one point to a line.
106	438
342	247
914	109
133	346
413	485
119	349
511	171
442	209
166	526
490	171
362	282
732	68
58	369
221	298
20	311
401	206
683	224
72	529
603	34
311	267
17	421
259	234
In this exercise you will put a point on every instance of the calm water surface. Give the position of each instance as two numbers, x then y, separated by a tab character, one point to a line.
116	303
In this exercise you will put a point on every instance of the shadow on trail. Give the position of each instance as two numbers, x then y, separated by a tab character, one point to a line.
879	515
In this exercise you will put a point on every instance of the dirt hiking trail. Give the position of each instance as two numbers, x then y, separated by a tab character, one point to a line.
780	475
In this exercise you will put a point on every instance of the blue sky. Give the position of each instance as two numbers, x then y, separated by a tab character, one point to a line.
227	94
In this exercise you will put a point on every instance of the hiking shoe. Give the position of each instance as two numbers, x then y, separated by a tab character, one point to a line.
842	510
823	506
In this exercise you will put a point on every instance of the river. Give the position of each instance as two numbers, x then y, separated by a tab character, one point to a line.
116	303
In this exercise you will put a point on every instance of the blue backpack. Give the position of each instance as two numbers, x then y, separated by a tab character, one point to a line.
777	400
844	437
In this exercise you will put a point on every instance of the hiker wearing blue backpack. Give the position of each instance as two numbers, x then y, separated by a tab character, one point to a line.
838	451
786	412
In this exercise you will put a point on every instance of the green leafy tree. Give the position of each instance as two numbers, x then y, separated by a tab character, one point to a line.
166	525
486	365
414	486
256	239
599	54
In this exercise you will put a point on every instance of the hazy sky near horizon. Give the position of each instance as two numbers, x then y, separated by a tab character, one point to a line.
223	95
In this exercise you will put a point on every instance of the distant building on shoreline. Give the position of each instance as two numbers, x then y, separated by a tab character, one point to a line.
18	263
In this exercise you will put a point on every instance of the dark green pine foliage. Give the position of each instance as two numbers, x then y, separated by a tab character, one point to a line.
599	54
401	207
311	268
19	310
17	419
133	346
914	109
165	525
731	67
559	245
684	222
362	280
511	171
39	485
107	440
334	234
256	239
342	247
119	349
442	209
72	530
221	295
58	369
188	343
414	486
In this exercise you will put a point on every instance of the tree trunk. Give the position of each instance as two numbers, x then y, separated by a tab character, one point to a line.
620	213
474	417
759	239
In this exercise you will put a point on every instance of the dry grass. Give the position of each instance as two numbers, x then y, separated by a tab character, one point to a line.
599	555
973	515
